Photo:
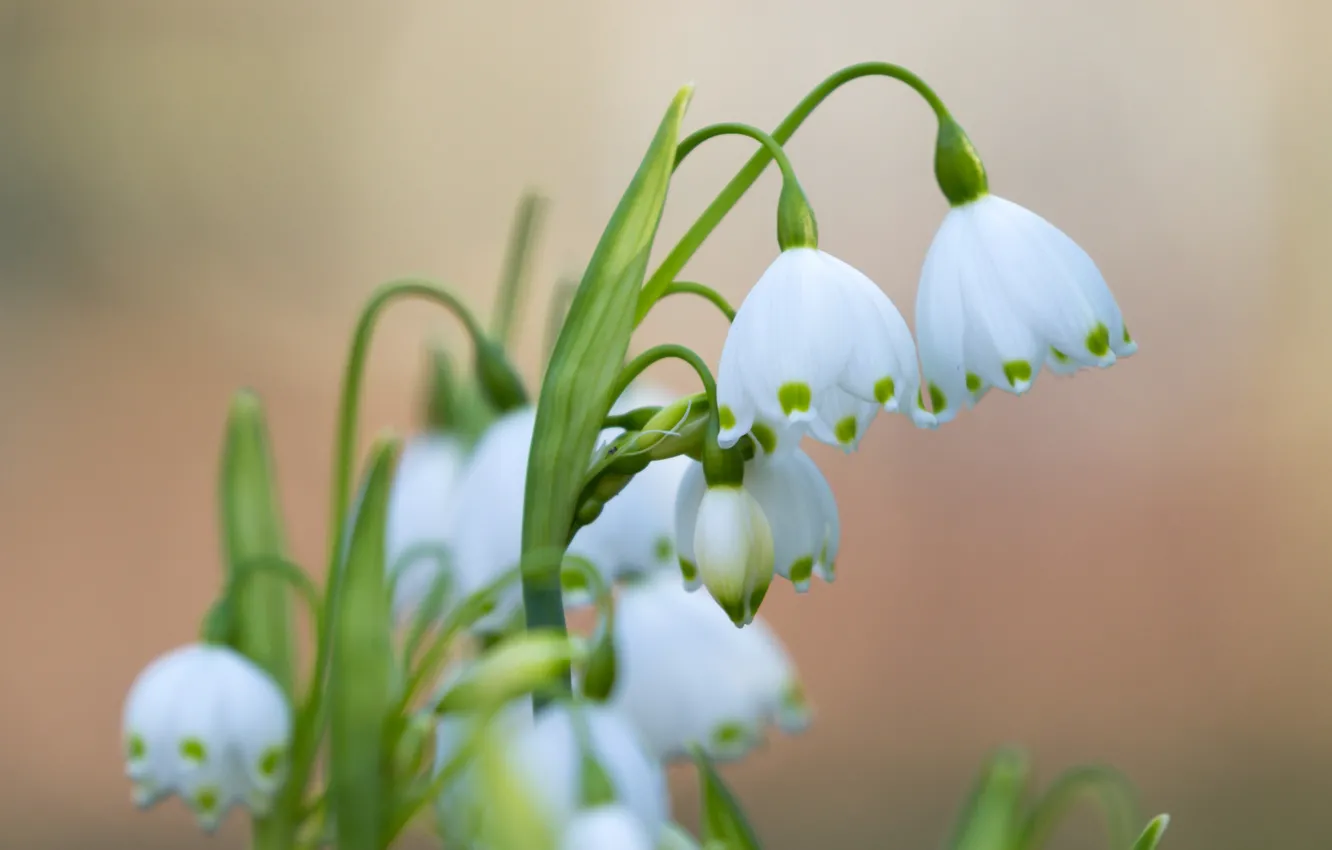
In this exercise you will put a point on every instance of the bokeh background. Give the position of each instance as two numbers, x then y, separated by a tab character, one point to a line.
1130	566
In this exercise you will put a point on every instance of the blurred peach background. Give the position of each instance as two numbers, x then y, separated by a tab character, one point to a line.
1130	566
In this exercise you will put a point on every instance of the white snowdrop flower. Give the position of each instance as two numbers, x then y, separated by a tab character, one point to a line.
1002	293
487	525
421	504
549	756
687	676
725	544
205	722
798	509
810	327
635	532
606	828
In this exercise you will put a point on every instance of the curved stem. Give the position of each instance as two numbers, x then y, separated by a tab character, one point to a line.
730	128
1104	784
639	364
728	197
292	575
685	287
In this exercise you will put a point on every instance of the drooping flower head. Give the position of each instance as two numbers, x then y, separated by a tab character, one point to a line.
205	722
688	677
815	346
1003	292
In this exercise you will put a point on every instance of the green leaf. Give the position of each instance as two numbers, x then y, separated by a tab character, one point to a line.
1151	836
722	820
252	529
360	685
992	816
588	355
1107	786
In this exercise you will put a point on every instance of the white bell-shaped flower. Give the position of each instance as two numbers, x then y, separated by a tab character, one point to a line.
635	532
205	722
686	676
606	828
798	508
811	339
725	544
487	524
421	506
1002	293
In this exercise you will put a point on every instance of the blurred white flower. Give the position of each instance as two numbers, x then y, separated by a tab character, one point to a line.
1002	293
420	511
797	506
548	755
816	344
606	828
205	722
687	676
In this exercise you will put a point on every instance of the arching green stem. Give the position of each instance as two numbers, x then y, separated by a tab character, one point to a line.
1103	784
639	364
728	197
685	287
289	572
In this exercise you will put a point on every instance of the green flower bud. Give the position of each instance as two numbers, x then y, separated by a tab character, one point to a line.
502	386
527	662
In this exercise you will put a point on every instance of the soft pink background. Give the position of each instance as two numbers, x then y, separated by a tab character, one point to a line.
1130	566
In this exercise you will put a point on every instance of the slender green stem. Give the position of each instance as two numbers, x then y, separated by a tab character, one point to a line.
732	128
685	287
517	263
310	722
639	364
728	197
1104	784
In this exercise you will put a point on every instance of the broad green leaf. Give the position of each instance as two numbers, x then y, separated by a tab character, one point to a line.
588	354
361	675
722	820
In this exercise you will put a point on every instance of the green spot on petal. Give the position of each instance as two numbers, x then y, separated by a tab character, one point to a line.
664	548
730	735
884	390
801	570
938	401
845	429
1017	371
192	749
767	438
725	418
1098	341
206	799
1127	339
688	569
973	382
136	748
271	761
755	600
794	397
1058	355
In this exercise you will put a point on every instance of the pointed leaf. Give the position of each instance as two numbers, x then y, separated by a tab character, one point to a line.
723	820
1151	836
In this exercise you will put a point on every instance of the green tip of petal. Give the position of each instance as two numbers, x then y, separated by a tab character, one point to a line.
1127	339
725	417
135	748
938	401
689	570
794	397
664	548
1098	341
973	382
802	569
845	430
206	800
271	761
1017	372
767	438
1058	355
884	390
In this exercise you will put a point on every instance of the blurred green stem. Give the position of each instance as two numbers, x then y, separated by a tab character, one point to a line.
517	267
1104	784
